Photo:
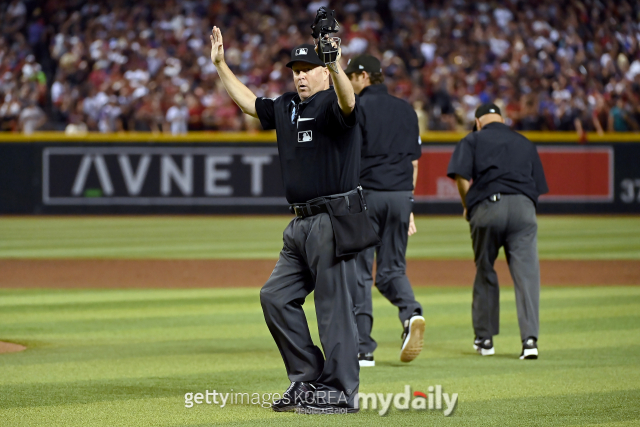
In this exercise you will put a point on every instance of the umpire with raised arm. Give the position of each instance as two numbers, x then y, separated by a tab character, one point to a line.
388	172
500	206
319	146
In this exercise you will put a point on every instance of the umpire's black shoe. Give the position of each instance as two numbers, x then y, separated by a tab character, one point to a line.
366	359
297	394
529	349
412	338
326	409
484	346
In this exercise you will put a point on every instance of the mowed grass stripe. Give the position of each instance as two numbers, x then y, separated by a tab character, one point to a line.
545	411
122	320
217	353
539	383
503	412
260	237
209	301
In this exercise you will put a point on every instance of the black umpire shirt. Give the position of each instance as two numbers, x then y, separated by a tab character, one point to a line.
498	160
390	140
319	148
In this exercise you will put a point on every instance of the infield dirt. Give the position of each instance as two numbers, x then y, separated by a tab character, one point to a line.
26	273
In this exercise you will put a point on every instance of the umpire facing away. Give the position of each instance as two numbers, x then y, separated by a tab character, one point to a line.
500	206
388	172
319	146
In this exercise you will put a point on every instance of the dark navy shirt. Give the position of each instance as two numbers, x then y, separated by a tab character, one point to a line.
498	160
319	148
390	140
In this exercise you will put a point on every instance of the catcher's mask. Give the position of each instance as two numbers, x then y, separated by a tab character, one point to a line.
324	24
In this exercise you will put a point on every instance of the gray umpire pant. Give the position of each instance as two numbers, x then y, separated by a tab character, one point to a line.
389	212
509	222
308	262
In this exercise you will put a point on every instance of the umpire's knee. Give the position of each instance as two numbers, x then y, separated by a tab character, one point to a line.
269	300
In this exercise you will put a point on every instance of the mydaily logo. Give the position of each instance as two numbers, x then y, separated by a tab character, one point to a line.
418	400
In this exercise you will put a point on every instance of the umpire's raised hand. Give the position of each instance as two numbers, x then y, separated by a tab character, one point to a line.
241	95
217	49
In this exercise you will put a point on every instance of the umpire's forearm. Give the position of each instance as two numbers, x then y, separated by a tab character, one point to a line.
240	94
463	189
344	90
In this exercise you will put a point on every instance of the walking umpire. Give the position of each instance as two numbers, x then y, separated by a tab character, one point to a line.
500	206
389	167
319	148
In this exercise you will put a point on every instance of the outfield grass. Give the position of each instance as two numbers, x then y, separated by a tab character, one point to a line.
560	237
127	357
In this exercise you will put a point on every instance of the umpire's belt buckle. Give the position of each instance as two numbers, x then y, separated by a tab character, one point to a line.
302	211
494	197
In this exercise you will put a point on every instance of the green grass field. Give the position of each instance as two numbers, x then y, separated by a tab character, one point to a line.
560	237
127	357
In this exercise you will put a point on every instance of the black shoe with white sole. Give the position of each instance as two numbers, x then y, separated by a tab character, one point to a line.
529	349
484	346
296	395
366	359
412	338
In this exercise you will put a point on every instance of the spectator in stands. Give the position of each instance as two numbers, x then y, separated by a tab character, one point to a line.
620	119
110	116
177	117
31	118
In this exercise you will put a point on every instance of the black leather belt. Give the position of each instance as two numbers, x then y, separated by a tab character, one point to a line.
305	210
319	205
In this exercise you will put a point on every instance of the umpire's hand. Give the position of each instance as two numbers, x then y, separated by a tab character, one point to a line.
412	225
217	50
334	44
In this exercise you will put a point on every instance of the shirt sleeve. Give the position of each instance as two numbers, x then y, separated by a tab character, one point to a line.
334	118
417	141
538	173
265	107
461	162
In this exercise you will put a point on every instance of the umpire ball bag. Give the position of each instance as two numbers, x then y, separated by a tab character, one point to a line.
352	228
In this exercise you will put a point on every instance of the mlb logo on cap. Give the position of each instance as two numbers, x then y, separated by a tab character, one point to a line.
304	53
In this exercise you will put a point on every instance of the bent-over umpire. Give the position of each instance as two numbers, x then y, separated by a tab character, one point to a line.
388	171
500	206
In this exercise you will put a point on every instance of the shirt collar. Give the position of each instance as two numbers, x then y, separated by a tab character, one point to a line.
494	125
296	97
379	88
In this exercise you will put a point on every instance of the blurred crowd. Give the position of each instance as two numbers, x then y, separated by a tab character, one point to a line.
79	65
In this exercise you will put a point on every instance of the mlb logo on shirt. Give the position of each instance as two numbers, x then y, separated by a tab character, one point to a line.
301	51
305	136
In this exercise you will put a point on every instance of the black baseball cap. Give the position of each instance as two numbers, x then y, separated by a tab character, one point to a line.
305	53
485	109
361	63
